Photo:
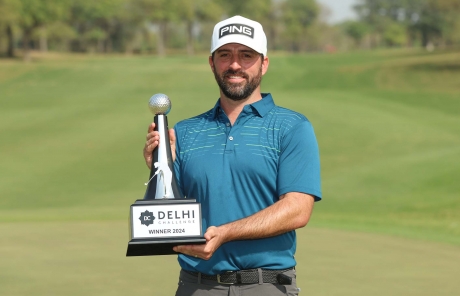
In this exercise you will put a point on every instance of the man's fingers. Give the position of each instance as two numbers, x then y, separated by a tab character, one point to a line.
151	127
172	136
172	142
152	140
205	251
197	251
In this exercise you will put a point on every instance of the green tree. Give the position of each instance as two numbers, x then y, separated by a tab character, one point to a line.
431	19
96	22
131	24
297	16
356	30
161	13
436	20
254	9
378	15
34	14
60	34
194	12
395	34
10	11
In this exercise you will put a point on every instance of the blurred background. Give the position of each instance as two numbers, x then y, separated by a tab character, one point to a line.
378	79
184	26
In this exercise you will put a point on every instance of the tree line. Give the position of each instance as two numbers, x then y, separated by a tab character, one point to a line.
426	23
164	26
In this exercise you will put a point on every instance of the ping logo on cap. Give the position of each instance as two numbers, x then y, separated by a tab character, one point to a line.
236	29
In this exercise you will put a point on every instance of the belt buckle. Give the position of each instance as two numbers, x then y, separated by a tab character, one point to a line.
225	283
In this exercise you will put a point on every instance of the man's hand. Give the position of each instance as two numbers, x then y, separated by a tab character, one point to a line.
291	212
214	239
152	140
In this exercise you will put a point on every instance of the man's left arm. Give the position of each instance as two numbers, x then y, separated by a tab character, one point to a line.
291	212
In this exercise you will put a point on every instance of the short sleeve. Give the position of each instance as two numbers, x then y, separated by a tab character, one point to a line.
299	165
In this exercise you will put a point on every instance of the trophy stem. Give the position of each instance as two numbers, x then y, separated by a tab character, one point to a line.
162	184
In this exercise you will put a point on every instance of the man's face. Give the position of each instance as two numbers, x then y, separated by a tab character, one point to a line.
238	70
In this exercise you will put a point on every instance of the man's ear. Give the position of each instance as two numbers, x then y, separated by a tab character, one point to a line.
265	63
211	63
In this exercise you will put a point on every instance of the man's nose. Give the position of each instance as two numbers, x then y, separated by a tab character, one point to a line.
235	64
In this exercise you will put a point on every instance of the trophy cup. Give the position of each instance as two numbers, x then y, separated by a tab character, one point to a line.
164	218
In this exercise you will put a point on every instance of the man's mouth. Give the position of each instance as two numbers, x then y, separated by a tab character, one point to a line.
235	77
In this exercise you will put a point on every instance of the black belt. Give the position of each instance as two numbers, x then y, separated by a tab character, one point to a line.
248	276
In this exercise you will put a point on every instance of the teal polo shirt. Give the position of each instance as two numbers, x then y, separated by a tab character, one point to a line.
236	171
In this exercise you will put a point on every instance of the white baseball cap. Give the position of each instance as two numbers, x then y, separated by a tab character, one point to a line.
240	30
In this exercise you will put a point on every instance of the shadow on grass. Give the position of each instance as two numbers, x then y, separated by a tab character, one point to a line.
439	67
4	57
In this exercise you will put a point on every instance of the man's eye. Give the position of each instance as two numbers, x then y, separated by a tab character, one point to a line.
247	56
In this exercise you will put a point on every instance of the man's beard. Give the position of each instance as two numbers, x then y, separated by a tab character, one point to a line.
238	91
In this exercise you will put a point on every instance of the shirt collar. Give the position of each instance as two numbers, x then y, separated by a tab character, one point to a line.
265	105
262	107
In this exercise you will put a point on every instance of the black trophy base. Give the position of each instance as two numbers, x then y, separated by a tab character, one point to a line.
148	247
144	243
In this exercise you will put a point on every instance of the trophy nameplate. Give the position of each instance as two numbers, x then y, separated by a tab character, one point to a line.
164	218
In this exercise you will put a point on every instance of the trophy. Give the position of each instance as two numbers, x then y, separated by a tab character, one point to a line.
164	218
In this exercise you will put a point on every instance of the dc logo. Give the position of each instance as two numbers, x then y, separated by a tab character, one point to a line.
146	218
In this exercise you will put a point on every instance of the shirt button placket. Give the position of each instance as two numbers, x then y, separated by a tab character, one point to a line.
229	145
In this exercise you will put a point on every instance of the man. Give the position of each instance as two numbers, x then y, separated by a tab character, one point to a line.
252	165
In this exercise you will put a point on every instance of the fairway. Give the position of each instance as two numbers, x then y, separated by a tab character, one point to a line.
388	126
89	260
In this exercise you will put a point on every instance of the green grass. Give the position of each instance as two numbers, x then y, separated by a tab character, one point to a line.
72	130
87	258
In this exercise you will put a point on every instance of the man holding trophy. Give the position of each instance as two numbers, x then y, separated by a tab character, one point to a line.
254	168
